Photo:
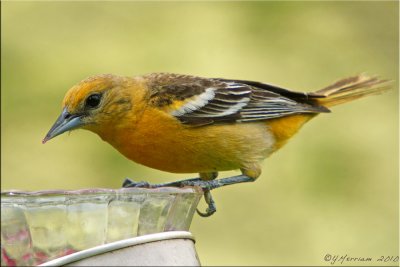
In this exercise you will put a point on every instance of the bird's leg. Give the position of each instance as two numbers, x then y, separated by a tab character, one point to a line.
213	184
203	176
206	182
130	183
205	185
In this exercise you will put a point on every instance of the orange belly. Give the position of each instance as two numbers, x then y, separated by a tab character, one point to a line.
285	127
160	141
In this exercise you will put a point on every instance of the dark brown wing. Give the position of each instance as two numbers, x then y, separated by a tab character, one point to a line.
205	101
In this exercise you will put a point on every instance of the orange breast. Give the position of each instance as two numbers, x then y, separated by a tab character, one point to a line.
162	142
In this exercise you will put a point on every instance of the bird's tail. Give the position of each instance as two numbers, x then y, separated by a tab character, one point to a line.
349	89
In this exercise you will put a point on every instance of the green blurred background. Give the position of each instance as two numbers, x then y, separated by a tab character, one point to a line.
333	189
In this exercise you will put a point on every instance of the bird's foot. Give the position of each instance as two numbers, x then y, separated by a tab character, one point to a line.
130	183
211	209
205	185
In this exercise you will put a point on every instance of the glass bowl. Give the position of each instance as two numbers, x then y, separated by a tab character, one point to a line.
40	226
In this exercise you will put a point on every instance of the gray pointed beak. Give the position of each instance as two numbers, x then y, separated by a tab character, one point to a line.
65	122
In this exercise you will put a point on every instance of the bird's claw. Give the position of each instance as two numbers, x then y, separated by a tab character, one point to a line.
130	183
206	186
211	209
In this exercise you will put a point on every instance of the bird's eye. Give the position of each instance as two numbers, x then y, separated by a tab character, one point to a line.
93	101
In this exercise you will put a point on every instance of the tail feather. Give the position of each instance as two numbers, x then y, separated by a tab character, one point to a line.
349	89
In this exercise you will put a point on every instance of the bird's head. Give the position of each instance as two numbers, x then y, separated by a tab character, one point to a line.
93	104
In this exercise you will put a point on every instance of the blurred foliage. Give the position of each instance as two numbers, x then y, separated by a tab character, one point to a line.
333	189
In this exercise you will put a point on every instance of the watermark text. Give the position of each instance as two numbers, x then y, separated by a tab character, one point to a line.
336	259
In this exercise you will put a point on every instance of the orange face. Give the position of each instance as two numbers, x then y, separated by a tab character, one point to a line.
94	102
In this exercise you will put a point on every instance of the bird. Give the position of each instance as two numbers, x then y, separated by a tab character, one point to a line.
189	124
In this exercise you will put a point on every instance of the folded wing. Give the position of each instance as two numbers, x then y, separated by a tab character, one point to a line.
199	101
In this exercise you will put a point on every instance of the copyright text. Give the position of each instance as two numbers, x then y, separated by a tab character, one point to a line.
345	259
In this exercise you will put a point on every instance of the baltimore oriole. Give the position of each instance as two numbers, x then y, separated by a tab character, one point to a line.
188	124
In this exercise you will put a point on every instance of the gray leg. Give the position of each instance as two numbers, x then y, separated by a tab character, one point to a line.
130	183
206	185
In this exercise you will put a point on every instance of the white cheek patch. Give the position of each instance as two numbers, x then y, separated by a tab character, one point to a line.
196	103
